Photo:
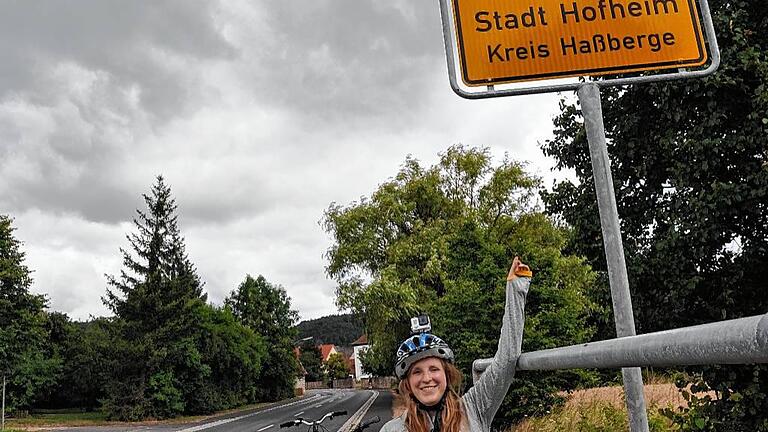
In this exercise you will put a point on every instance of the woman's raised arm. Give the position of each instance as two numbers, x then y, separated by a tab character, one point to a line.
485	397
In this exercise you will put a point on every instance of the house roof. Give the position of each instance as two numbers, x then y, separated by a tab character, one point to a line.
362	340
326	350
347	351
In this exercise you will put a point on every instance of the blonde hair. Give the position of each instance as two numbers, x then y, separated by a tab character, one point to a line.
452	416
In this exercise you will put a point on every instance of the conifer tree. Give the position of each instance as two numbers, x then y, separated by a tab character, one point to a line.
158	301
158	276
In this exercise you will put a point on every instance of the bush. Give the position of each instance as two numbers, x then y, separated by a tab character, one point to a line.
738	405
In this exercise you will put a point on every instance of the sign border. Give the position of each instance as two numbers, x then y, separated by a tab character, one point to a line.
581	72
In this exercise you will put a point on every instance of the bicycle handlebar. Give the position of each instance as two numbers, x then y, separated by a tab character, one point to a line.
300	420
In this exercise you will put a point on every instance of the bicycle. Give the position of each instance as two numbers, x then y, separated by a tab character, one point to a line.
316	426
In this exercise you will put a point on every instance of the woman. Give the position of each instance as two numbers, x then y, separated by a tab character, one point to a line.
429	382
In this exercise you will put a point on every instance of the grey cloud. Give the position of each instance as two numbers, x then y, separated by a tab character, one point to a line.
131	40
342	58
63	157
103	76
82	83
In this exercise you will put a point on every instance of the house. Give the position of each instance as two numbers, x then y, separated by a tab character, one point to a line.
349	358
359	346
326	350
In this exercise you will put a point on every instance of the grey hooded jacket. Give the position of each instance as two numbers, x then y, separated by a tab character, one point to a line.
483	400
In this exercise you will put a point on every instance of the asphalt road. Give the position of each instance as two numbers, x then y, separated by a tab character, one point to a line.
312	406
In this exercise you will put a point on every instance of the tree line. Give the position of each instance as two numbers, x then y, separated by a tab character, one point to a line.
165	352
341	329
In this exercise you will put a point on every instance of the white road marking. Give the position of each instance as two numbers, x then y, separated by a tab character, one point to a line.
265	427
232	419
298	413
354	420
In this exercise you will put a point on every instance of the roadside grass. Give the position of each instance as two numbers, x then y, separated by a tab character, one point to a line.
98	418
602	409
599	409
69	418
595	417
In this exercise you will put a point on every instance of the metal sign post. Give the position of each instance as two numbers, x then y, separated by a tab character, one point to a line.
589	97
511	41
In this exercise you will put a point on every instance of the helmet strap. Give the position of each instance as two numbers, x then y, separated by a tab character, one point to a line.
436	409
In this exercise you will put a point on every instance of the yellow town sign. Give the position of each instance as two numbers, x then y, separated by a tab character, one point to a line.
502	41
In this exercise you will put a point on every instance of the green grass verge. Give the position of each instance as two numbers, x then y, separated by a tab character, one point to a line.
98	418
71	418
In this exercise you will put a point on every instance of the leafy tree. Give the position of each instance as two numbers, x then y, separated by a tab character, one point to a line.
83	349
266	309
689	165
236	356
336	367
312	360
22	333
440	240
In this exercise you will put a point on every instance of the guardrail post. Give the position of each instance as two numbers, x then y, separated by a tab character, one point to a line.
589	97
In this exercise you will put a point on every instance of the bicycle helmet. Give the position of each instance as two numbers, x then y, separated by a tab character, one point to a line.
418	347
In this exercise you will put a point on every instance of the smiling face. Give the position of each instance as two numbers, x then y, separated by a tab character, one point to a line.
427	380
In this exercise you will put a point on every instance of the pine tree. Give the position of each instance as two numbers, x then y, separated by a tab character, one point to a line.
158	301
158	276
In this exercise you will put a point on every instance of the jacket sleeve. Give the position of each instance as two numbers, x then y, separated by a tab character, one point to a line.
397	424
485	397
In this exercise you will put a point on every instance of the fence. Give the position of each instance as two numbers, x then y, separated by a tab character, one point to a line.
343	383
379	383
347	383
314	385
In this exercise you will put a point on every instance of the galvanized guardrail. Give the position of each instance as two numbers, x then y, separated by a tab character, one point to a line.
737	341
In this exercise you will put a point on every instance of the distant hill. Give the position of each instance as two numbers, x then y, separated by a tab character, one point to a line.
335	329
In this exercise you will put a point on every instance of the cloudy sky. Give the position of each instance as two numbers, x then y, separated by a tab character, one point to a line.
259	114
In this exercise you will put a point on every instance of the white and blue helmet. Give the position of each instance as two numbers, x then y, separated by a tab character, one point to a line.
418	347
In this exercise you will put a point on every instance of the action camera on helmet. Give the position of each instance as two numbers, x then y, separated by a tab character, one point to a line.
420	324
